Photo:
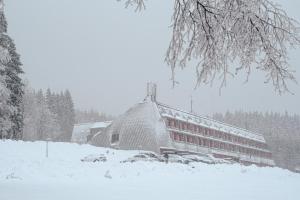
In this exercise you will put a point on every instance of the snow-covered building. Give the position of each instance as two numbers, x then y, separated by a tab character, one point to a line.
82	133
153	126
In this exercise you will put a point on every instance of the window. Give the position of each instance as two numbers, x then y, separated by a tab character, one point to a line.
189	139
221	145
216	145
200	129
206	131
182	138
176	124
176	137
192	127
229	137
172	135
183	126
168	122
114	138
200	142
195	129
210	143
206	143
195	140
211	134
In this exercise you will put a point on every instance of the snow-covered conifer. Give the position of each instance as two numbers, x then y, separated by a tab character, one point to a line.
11	86
69	115
39	122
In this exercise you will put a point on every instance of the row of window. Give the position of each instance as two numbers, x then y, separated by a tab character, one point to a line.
197	129
217	145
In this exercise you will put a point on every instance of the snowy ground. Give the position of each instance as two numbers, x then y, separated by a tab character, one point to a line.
25	173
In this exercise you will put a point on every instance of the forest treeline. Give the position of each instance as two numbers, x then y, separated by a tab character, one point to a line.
48	115
281	131
51	116
87	116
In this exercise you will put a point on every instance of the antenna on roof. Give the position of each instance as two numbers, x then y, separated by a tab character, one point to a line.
191	103
151	91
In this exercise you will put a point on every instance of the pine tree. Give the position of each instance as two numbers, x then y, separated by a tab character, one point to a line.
40	120
5	109
31	115
49	99
48	116
10	83
69	115
91	116
41	110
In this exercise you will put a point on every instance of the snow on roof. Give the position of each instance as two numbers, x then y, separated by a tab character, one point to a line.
101	124
167	111
81	131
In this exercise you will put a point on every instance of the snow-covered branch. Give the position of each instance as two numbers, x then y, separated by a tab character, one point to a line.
139	4
216	33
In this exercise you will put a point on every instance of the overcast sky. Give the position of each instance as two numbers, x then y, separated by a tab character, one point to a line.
105	54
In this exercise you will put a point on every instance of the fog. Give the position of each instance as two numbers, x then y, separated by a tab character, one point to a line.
105	54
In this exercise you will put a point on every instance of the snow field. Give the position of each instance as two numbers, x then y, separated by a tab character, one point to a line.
26	173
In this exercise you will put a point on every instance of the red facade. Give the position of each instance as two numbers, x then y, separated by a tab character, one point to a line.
192	134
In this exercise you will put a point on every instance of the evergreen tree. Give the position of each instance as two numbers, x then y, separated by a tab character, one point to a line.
10	83
69	115
91	116
31	115
39	122
5	109
62	107
49	100
48	116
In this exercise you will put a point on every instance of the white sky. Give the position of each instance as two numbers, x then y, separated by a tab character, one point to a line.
106	54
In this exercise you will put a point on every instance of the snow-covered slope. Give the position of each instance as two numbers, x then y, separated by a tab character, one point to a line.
25	173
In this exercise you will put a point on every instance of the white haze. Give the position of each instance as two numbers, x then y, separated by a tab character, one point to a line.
105	54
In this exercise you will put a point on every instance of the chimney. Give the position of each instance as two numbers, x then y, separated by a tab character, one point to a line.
151	91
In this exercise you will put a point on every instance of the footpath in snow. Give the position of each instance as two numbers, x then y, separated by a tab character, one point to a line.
70	173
